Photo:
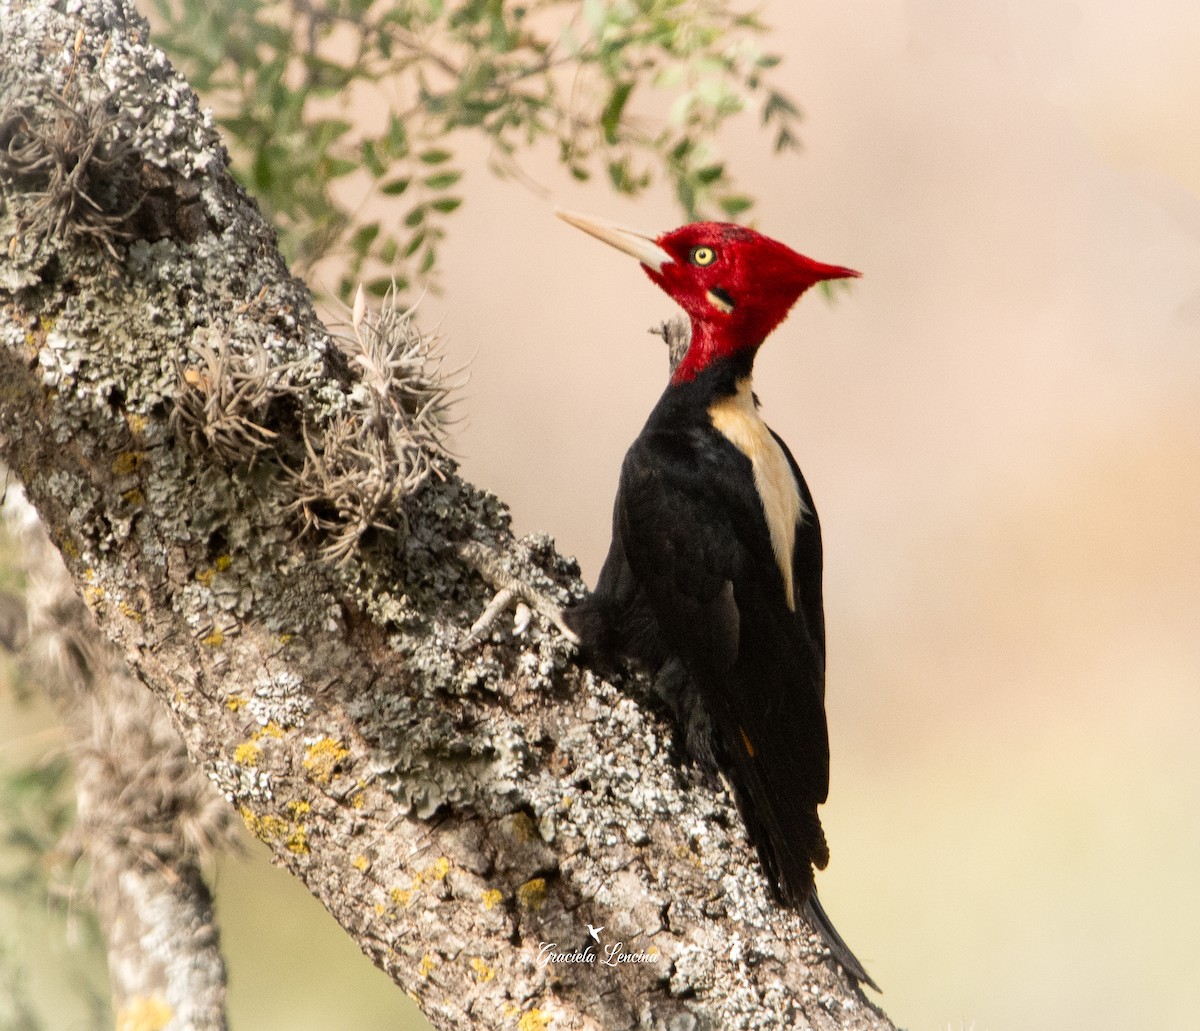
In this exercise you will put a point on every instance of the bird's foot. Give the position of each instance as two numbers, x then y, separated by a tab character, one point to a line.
511	592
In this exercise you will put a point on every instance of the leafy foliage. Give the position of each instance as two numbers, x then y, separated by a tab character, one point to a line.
328	101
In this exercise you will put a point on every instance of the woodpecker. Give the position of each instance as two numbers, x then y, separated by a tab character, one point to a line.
713	577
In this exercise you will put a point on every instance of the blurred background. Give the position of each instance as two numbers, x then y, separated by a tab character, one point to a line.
1001	426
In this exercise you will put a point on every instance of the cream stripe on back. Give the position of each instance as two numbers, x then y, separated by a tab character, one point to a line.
737	419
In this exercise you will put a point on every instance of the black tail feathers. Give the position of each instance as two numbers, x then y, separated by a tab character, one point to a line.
815	913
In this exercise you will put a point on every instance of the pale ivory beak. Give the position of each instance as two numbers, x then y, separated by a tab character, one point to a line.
638	245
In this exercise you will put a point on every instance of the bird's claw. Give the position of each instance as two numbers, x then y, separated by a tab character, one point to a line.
511	592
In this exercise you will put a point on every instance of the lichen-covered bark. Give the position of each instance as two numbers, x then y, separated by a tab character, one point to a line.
453	809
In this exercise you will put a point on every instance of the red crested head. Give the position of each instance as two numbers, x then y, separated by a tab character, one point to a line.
735	284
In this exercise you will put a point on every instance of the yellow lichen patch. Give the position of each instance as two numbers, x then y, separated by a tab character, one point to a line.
235	702
129	611
128	462
426	965
247	754
136	423
323	759
491	898
286	638
361	863
401	896
144	1013
439	869
134	498
249	751
266	828
358	800
483	972
532	894
271	828
93	595
69	549
297	841
380	909
205	577
213	640
223	563
535	1020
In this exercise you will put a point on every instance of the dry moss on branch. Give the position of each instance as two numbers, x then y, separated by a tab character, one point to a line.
363	451
224	398
386	440
69	175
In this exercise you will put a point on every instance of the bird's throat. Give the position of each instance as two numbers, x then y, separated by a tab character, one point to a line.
711	342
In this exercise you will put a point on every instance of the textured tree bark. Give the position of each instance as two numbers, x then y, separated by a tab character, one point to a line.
179	416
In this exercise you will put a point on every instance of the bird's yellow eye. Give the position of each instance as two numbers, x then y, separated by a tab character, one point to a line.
702	256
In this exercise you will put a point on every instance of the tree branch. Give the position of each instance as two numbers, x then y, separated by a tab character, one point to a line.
145	816
453	810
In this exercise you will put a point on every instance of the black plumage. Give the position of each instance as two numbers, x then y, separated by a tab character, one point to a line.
692	590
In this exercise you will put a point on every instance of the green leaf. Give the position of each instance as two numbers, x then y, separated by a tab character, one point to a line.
685	193
335	168
379	287
442	180
786	140
361	241
396	138
778	106
327	76
446	204
435	156
610	117
735	204
395	187
415	243
371	159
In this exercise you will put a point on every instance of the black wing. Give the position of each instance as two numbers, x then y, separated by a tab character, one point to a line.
807	571
696	543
